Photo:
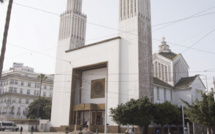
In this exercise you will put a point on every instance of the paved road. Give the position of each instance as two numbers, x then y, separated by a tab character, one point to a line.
10	132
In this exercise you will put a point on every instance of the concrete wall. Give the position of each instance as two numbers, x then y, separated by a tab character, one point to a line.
87	77
107	51
162	91
180	69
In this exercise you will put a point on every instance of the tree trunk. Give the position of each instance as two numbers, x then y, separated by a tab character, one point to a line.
169	130
4	42
146	130
162	130
142	130
208	130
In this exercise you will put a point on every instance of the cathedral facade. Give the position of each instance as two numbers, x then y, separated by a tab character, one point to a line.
91	79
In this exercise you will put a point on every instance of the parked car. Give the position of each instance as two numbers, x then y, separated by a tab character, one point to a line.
8	125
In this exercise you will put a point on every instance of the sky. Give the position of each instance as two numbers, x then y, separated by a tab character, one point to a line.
187	25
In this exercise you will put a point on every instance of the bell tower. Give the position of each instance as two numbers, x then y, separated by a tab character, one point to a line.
135	31
73	25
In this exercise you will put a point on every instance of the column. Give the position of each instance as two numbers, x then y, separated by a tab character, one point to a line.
76	118
96	118
89	120
82	117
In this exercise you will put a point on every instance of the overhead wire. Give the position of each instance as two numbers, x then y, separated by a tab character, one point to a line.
56	14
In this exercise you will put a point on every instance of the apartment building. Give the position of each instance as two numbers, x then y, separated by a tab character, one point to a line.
19	86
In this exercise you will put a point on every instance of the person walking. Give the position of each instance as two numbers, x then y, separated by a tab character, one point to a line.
32	129
87	124
21	130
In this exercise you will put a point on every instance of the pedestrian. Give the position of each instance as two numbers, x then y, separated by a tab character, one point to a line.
131	131
21	130
158	131
87	124
32	129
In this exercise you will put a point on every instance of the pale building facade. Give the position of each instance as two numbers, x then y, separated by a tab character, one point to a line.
19	87
171	78
91	79
101	75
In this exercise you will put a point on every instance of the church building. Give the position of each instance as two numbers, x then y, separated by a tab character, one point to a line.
171	78
91	79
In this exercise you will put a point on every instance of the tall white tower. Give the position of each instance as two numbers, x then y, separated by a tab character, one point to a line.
73	25
135	30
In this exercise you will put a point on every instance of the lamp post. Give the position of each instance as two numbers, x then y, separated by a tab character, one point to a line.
106	111
206	82
183	118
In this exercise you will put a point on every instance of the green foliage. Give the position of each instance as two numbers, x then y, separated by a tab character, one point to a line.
44	107
202	112
42	77
135	112
166	113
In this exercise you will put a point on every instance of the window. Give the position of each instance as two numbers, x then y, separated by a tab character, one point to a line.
21	91
29	84
22	83
16	82
44	87
37	85
164	93
28	91
51	88
18	112
27	101
10	89
158	94
20	100
44	94
11	81
15	90
38	93
50	94
159	73
162	71
9	99
166	73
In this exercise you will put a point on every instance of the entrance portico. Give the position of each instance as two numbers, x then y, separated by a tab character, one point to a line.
94	113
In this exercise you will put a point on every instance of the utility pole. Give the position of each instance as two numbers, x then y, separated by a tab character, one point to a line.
4	42
214	88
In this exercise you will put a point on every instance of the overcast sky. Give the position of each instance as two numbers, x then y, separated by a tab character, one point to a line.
33	33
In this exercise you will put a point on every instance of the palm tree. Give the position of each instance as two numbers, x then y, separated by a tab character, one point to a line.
41	77
3	50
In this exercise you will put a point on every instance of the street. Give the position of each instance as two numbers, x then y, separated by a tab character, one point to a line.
17	132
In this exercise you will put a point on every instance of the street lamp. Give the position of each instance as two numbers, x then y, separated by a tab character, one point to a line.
206	82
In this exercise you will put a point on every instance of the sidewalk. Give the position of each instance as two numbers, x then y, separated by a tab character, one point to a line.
11	132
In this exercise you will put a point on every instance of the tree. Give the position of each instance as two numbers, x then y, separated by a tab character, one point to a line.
166	113
202	112
6	28
45	108
42	78
135	112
